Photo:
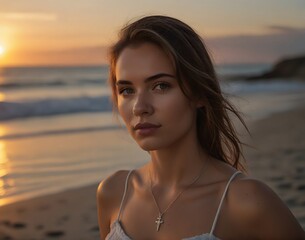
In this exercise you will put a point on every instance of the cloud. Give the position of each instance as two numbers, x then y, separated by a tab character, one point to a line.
269	47
29	16
284	29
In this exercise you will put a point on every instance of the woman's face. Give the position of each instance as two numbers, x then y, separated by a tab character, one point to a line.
156	112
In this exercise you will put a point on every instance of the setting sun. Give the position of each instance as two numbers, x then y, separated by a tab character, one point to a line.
2	50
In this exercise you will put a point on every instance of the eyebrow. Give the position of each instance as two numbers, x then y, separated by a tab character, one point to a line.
149	79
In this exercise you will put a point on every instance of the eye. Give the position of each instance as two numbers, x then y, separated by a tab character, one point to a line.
161	86
126	91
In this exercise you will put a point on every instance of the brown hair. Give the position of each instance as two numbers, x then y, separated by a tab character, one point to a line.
196	76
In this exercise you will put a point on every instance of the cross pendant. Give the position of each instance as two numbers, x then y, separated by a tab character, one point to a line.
159	221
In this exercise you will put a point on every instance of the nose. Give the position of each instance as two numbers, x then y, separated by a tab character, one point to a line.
142	105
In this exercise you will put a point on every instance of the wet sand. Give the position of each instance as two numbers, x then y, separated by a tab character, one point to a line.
277	158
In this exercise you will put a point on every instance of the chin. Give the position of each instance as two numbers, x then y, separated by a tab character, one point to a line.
148	145
155	144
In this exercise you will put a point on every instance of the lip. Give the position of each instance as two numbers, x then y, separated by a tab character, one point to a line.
146	129
145	125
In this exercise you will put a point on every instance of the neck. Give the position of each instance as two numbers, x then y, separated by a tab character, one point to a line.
177	166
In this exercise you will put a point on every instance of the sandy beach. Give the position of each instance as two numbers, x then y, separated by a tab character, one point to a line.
277	158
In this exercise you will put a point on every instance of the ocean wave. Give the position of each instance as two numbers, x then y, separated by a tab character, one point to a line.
48	107
32	77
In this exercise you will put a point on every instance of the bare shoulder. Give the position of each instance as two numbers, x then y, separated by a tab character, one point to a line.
112	186
255	204
111	189
109	195
251	197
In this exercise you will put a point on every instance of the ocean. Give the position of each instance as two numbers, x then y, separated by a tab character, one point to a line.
57	130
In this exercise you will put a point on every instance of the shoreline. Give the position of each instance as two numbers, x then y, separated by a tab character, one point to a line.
280	146
87	148
91	155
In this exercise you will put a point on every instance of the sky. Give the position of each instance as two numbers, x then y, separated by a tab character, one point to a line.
79	32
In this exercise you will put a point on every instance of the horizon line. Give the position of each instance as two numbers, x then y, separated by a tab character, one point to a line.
107	65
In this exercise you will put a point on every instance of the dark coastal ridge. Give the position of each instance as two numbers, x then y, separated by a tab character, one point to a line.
285	68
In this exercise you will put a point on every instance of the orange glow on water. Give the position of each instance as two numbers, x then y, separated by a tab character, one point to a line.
4	168
2	97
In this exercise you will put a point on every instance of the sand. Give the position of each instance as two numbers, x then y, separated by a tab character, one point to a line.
67	215
277	158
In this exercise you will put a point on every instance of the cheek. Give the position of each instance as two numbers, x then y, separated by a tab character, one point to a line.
125	111
176	107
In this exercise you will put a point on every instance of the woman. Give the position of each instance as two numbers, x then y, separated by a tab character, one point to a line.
165	89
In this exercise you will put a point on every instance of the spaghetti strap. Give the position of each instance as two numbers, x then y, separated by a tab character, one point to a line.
221	201
125	191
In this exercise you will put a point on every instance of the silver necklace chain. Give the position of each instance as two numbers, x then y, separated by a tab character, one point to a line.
159	220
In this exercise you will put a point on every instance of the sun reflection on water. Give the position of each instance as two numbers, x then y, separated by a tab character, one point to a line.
2	97
5	182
